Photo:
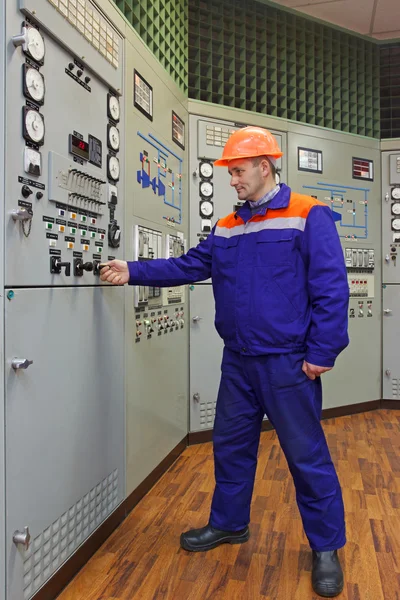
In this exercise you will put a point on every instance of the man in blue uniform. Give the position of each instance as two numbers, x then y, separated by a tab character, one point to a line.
281	299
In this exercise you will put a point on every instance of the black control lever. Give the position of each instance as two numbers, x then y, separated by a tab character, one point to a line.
80	266
56	265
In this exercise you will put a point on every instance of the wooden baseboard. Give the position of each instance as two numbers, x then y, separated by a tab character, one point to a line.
350	409
67	572
200	437
391	404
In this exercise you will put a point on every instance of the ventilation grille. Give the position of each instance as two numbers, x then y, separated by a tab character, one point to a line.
55	544
390	91
260	58
395	388
207	414
84	17
163	26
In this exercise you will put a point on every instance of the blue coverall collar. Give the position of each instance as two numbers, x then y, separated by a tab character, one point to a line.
280	200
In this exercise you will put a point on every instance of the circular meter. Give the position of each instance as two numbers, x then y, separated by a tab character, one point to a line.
206	189
33	84
206	209
32	161
206	170
396	208
34	44
396	224
33	126
113	138
396	193
113	109
113	168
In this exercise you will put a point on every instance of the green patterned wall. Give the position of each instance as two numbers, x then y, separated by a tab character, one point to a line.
257	57
163	26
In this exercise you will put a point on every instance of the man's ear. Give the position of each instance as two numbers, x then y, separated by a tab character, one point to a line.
266	167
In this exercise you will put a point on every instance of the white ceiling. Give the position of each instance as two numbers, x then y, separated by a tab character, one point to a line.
379	19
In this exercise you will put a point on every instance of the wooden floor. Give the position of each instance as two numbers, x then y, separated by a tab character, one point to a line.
143	560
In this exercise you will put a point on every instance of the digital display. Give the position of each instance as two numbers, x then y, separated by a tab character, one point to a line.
78	147
363	168
95	151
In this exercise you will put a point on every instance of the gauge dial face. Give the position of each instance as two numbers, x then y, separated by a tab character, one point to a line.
113	105
35	44
113	167
206	189
396	208
32	161
396	193
206	209
34	125
34	83
396	224
113	138
206	170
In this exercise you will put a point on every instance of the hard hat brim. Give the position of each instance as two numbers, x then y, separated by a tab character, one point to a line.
223	162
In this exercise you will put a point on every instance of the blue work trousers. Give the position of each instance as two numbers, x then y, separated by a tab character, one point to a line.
275	385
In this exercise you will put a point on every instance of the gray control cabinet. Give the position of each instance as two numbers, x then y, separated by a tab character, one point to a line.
156	221
391	274
206	144
63	359
2	424
356	203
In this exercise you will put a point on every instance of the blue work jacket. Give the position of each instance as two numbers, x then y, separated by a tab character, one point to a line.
279	278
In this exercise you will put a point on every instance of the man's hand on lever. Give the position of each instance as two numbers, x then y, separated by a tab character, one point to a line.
115	272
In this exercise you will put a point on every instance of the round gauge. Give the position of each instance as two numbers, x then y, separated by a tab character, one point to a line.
396	193
396	208
206	189
113	168
32	161
113	138
113	107
206	209
396	224
34	126
35	44
34	84
206	170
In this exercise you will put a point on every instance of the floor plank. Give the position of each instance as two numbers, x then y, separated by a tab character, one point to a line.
142	559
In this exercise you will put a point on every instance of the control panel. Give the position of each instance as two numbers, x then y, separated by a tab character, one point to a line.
64	192
158	310
391	218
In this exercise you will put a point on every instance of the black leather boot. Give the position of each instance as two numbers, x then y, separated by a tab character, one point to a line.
327	574
206	538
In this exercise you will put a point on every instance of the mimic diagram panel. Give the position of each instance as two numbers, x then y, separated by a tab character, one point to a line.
64	185
160	173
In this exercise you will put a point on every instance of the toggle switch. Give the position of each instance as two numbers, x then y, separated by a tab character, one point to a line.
80	266
56	265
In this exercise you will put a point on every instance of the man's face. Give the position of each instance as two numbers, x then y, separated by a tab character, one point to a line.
247	179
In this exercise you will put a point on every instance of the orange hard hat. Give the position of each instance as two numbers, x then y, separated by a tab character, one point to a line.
247	143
